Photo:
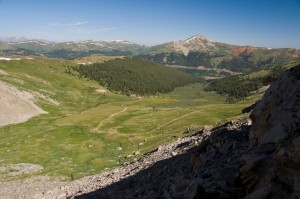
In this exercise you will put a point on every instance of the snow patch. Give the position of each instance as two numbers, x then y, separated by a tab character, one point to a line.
13	59
198	37
33	41
9	59
120	41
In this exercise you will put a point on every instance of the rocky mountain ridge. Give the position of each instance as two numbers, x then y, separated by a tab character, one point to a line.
202	52
18	40
234	160
69	49
193	52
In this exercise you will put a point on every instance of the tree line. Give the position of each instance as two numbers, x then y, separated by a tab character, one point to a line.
240	86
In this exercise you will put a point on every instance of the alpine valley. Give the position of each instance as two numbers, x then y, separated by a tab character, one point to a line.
194	118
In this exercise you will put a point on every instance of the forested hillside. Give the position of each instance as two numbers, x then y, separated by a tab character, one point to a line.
244	62
240	86
135	76
234	87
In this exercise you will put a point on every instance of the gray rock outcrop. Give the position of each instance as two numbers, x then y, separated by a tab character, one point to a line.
272	168
277	115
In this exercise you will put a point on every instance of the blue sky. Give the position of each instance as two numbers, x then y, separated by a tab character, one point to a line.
267	23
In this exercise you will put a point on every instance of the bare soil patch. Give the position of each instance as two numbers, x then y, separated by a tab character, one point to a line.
2	72
16	106
19	169
101	90
27	188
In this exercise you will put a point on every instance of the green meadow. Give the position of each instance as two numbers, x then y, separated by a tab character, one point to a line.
87	131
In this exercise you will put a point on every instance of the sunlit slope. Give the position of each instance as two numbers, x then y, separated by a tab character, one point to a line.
88	128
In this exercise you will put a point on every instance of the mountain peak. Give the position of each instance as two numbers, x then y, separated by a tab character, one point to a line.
195	43
198	38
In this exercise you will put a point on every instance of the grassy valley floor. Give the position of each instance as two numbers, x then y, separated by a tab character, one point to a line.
88	129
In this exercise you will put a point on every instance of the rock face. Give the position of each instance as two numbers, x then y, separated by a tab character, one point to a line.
233	160
272	168
277	116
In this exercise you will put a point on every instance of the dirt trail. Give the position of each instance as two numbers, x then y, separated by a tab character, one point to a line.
109	119
175	119
16	106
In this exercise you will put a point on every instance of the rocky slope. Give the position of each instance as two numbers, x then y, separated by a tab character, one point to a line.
234	160
16	106
166	172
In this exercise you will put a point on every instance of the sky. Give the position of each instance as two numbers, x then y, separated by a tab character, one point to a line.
262	23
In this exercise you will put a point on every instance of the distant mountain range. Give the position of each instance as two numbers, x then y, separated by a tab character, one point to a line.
15	40
68	50
197	53
204	54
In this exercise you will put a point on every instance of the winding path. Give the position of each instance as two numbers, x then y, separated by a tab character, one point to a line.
175	119
106	120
